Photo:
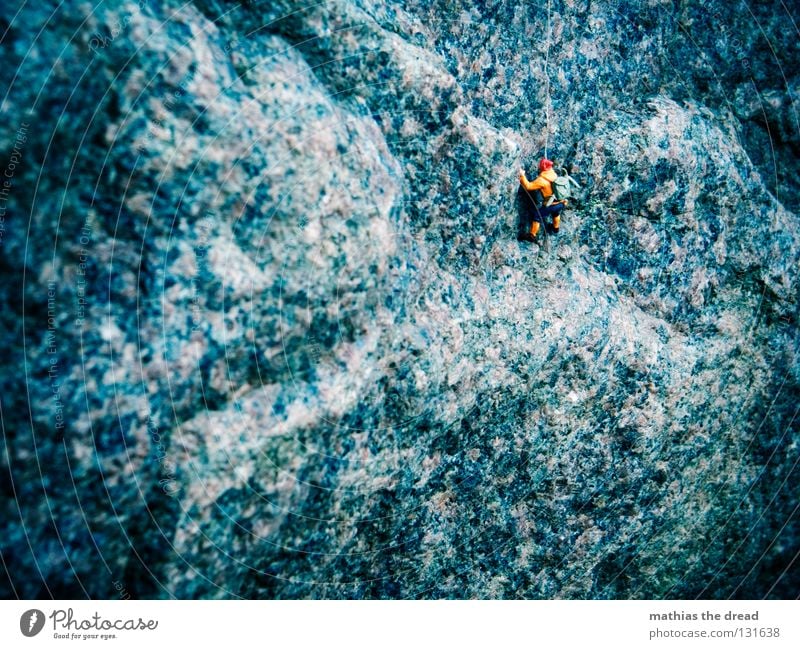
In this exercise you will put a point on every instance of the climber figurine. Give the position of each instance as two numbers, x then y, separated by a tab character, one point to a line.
544	199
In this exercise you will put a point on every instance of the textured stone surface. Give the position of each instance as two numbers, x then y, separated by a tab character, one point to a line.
268	332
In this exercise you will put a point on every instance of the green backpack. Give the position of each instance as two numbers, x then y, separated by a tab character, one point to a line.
561	189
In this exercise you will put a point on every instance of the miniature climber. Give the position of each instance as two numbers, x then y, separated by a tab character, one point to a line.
541	190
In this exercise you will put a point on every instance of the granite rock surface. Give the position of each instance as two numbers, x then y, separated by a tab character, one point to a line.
268	331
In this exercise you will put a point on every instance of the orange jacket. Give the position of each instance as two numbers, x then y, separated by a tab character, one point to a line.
542	183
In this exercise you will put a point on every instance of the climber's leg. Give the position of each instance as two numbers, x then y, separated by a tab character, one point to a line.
554	214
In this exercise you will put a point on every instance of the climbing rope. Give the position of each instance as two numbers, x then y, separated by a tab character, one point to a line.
547	83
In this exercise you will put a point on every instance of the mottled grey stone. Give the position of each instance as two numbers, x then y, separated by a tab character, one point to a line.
268	331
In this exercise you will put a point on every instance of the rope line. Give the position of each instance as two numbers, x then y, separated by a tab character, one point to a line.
547	82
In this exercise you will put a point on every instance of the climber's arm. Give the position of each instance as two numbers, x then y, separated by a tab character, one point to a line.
527	184
530	185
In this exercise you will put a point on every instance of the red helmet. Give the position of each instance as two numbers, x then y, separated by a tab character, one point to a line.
545	164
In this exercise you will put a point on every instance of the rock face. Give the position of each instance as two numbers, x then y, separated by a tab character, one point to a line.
268	331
